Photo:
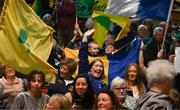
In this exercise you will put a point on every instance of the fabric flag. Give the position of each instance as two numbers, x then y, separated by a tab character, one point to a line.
99	7
102	25
154	9
51	3
26	41
84	8
116	64
37	7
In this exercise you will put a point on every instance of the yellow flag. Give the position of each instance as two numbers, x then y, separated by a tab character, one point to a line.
26	41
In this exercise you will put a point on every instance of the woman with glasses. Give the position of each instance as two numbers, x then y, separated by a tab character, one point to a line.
119	87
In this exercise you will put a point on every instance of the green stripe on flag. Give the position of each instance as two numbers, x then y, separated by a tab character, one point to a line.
104	21
102	25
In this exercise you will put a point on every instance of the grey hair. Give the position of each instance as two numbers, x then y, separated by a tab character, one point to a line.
117	81
89	24
46	16
142	26
157	29
158	70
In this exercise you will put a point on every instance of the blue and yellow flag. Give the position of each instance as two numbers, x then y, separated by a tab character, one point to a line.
114	64
26	41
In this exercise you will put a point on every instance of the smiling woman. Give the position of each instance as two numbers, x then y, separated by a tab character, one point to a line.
10	86
82	96
134	81
107	100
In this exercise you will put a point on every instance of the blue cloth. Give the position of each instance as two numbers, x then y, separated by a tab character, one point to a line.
98	85
118	62
154	9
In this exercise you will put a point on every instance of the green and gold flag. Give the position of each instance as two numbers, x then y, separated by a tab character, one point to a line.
26	41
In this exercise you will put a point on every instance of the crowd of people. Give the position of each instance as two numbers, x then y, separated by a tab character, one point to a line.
149	84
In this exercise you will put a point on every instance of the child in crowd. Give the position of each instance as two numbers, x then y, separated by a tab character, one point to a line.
64	77
33	98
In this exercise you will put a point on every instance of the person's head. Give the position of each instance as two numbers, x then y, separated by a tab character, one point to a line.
142	30
118	86
158	34
36	80
58	102
109	40
160	74
68	67
109	48
82	85
83	92
47	18
149	24
93	48
97	68
163	24
132	72
107	100
8	71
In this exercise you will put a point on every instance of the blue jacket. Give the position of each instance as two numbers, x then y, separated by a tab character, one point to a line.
97	84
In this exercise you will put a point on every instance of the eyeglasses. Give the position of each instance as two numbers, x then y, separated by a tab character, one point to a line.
120	88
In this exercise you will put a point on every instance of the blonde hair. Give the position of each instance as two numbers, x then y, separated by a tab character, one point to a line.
61	101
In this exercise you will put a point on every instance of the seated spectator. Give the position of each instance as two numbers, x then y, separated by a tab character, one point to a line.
107	100
154	48
47	18
58	102
119	87
93	49
169	34
10	86
109	40
82	96
160	76
110	49
142	34
133	78
149	23
33	98
64	77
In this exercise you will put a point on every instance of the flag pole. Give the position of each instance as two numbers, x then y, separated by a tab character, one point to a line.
168	19
76	12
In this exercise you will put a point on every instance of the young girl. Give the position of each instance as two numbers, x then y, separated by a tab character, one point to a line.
32	99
